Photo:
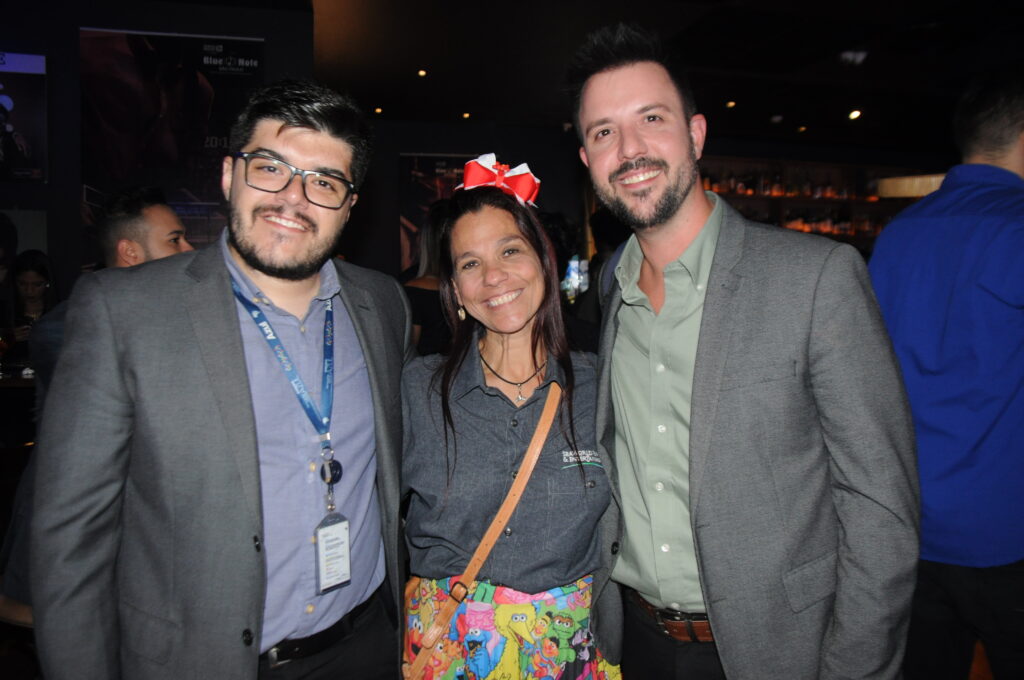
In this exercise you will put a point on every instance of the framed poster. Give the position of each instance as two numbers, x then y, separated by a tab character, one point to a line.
157	109
425	179
22	117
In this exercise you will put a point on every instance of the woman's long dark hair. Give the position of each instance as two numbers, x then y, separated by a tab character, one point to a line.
548	332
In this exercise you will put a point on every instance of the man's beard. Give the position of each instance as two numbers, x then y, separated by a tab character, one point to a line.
666	207
292	271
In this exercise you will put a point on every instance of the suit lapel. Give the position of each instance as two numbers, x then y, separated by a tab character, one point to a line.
367	321
718	320
605	409
211	310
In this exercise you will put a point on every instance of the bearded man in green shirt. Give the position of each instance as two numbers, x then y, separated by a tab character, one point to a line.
752	406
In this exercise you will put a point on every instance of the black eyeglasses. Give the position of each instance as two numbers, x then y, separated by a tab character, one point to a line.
273	175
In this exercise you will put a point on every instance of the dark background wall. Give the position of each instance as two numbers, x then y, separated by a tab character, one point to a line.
52	29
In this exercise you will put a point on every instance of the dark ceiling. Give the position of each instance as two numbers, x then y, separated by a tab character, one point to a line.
504	62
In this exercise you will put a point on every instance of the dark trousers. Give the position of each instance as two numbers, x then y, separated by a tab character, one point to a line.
954	607
650	654
369	652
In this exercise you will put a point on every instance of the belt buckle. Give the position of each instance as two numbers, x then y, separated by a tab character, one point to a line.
274	661
662	615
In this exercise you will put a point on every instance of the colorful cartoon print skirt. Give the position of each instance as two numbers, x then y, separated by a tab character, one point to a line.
499	633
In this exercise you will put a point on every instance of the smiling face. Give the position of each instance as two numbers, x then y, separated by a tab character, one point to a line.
282	234
498	276
641	152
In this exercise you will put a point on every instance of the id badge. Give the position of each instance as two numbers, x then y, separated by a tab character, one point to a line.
332	553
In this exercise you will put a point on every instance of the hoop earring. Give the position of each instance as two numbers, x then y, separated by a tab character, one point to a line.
462	313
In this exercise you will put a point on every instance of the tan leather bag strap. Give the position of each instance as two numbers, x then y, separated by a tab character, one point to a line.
459	591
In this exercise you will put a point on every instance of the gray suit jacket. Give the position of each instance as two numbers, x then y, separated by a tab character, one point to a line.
804	498
146	538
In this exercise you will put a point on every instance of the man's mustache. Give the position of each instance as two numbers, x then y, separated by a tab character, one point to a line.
638	164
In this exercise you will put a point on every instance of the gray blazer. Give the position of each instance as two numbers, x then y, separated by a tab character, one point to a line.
804	498
146	535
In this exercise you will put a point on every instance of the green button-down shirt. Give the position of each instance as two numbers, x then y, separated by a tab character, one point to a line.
652	380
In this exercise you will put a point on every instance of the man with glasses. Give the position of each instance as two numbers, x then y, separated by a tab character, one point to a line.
223	435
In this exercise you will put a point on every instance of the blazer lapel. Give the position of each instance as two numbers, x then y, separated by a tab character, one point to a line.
605	408
717	322
366	320
211	310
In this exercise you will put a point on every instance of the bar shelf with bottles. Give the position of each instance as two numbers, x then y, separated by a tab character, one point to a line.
832	199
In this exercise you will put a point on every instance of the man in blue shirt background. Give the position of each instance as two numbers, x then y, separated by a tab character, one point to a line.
949	275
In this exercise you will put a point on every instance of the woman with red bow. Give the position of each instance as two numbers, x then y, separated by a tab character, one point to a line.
470	417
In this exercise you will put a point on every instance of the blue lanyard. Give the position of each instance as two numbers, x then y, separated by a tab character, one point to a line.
320	419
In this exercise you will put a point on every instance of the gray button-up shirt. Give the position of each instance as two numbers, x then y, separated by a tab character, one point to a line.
289	455
552	538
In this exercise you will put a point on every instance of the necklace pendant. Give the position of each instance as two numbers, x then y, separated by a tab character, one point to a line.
520	398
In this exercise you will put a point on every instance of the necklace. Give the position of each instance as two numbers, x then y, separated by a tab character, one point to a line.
518	385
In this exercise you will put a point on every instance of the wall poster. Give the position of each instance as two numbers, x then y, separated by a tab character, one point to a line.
22	117
425	179
157	109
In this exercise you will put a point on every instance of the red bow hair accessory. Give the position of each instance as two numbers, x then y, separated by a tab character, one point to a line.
486	171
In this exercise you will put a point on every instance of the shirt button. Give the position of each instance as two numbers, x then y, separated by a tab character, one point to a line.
312	466
591	483
256	542
302	329
615	547
515	423
660	368
659	486
247	637
664	547
661	429
700	286
309	608
508	531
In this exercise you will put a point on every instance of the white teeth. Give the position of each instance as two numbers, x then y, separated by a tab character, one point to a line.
641	177
285	222
502	299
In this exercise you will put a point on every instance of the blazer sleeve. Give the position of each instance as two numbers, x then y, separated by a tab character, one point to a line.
82	462
866	423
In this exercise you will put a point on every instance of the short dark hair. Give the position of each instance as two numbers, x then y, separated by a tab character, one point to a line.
301	103
122	218
613	47
990	114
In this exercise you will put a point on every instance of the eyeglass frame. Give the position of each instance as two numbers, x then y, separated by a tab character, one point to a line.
246	155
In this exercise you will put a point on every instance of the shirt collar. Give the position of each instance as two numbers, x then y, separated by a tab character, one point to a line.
470	375
329	284
972	173
695	261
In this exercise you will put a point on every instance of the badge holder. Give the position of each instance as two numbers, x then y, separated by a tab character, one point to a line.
331	539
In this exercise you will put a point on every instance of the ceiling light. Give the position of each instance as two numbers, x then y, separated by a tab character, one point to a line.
378	110
854	57
465	115
730	104
777	118
802	128
421	73
854	115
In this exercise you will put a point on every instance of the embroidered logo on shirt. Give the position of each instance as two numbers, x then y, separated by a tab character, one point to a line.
584	457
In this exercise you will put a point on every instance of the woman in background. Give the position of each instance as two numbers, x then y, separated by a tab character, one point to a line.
430	332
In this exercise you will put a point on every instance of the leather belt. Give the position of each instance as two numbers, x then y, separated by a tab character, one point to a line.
298	648
677	625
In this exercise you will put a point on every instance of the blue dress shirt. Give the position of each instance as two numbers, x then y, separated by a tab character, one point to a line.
949	275
289	455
